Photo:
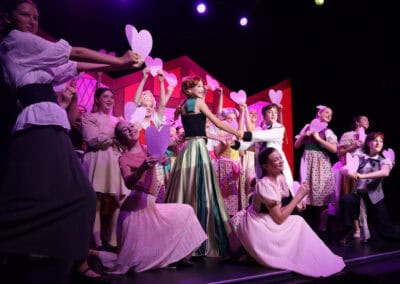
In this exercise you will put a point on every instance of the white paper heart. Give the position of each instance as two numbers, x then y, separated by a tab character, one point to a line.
275	96
138	114
153	64
239	97
389	154
140	42
295	186
211	82
361	134
157	141
129	109
316	125
170	78
111	53
352	163
303	170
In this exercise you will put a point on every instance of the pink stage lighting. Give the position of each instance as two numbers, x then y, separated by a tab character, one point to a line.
243	21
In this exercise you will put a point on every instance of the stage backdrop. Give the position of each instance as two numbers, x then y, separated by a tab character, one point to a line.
125	88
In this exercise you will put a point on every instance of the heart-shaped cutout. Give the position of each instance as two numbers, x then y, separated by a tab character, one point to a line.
157	141
138	114
317	125
275	96
352	163
211	82
129	109
389	154
170	78
140	42
361	134
239	97
154	65
303	170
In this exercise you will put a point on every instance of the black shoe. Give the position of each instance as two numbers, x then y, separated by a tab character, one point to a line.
347	239
184	263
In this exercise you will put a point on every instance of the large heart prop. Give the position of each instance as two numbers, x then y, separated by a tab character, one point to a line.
138	115
154	65
140	42
275	96
239	97
129	109
170	78
211	82
389	154
157	141
316	125
352	163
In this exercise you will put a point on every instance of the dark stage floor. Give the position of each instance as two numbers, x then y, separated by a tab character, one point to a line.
375	262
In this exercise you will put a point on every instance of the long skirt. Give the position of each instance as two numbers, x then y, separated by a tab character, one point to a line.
193	181
47	204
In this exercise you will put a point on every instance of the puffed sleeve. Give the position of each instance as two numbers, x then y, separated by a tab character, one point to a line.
267	193
387	162
330	136
33	51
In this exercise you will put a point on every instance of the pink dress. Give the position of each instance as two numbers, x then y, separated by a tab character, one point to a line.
151	235
292	245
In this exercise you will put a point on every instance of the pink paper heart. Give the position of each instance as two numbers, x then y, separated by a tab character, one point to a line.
389	154
170	78
361	134
295	186
275	96
239	97
140	42
157	141
352	163
317	125
303	170
153	64
138	114
111	53
211	82
129	109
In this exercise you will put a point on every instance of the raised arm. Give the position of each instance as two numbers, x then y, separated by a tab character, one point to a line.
202	106
139	90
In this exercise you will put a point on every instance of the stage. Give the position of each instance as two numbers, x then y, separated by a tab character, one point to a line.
375	262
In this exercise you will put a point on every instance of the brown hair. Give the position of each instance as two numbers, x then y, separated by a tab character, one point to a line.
370	137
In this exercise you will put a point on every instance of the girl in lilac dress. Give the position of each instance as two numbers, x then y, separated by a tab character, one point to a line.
272	236
151	235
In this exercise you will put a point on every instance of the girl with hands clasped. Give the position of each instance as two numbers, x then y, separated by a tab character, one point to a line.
274	237
150	235
318	140
368	195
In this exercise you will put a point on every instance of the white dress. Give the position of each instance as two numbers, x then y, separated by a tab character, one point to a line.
292	245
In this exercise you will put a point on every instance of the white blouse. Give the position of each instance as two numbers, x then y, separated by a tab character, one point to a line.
28	59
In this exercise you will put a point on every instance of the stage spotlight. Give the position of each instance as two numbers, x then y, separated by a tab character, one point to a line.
201	8
319	2
243	21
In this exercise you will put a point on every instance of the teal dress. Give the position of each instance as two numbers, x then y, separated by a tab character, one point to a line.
193	181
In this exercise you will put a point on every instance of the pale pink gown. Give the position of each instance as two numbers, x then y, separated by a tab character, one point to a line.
151	235
292	245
